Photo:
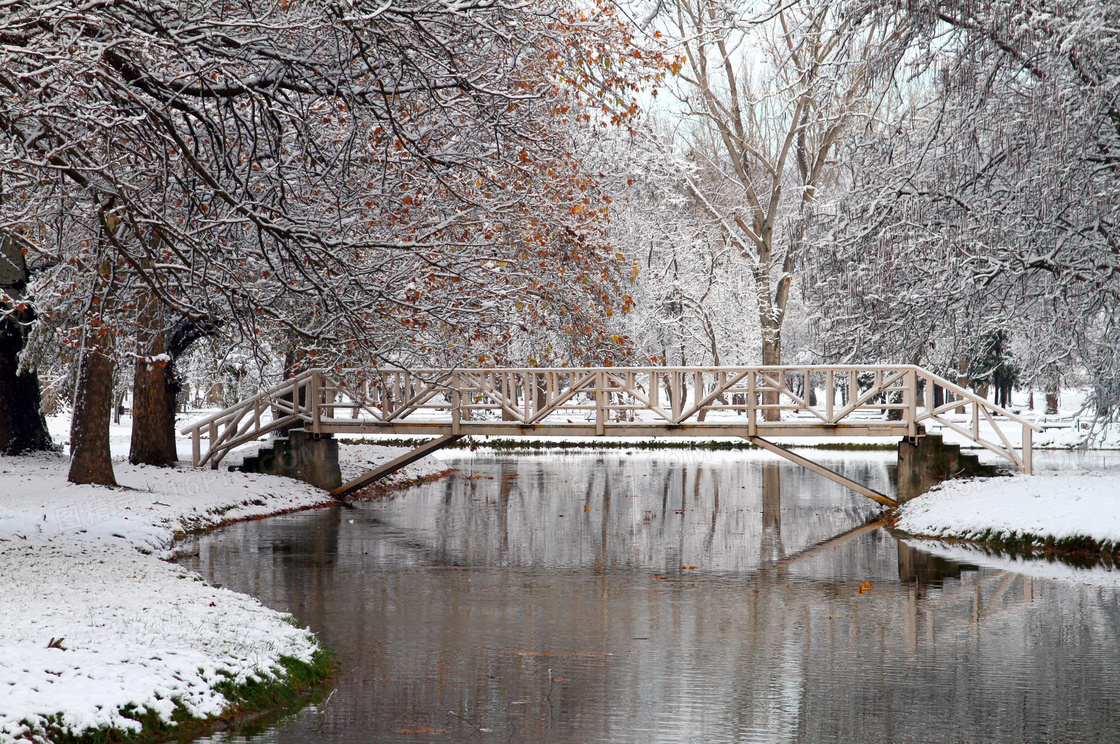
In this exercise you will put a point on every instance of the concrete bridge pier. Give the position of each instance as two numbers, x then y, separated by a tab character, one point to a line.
300	455
925	460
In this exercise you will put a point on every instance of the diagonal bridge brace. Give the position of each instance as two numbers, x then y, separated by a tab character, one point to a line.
394	465
766	444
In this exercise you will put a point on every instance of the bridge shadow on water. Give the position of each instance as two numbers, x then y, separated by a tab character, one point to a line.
667	597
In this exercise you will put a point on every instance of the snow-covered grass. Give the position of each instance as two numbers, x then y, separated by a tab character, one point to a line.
1075	510
87	565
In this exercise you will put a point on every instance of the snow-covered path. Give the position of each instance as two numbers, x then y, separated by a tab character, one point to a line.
84	564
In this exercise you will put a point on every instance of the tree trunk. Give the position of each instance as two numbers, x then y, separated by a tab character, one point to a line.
90	461
962	380
22	426
153	399
771	356
153	414
1052	399
173	389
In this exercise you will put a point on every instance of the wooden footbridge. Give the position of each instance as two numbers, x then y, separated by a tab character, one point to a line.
750	402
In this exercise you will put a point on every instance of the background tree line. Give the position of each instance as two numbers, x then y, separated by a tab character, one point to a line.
912	182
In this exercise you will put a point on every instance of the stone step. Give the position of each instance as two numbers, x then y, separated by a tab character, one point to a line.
253	463
300	456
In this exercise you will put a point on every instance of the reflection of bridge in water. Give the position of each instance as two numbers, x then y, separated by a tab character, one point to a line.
735	513
756	403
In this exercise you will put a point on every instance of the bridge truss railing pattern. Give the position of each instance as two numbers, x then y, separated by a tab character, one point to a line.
620	401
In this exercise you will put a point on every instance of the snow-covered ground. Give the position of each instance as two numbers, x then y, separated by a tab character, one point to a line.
1060	504
87	565
1075	493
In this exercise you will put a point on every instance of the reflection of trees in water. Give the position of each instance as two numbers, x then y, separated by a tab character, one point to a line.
771	511
616	510
444	600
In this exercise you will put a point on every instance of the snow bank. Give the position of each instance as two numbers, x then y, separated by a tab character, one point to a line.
135	631
1060	505
82	563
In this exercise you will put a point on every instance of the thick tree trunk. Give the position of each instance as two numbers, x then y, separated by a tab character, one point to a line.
22	426
90	461
153	400
153	414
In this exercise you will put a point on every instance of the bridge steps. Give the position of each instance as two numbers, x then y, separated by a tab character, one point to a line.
299	455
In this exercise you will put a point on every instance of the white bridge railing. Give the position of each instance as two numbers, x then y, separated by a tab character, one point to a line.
851	401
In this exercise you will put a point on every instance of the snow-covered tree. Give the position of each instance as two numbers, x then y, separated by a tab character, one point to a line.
365	181
988	202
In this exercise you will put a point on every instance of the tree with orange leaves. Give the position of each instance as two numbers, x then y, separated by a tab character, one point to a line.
375	181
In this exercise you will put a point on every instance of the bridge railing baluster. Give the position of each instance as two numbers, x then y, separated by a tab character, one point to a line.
975	420
661	400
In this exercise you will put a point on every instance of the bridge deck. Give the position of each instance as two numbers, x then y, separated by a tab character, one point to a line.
615	429
749	402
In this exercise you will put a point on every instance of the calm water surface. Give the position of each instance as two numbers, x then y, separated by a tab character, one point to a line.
667	597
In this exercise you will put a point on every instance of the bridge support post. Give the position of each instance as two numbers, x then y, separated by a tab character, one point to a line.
924	461
303	456
822	470
394	465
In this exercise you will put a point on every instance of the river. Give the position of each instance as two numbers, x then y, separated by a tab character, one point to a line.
667	596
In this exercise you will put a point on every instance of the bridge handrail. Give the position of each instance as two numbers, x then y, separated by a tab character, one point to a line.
678	398
451	372
263	395
226	430
972	397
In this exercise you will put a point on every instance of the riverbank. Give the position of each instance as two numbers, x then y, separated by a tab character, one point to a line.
102	636
1074	516
101	633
